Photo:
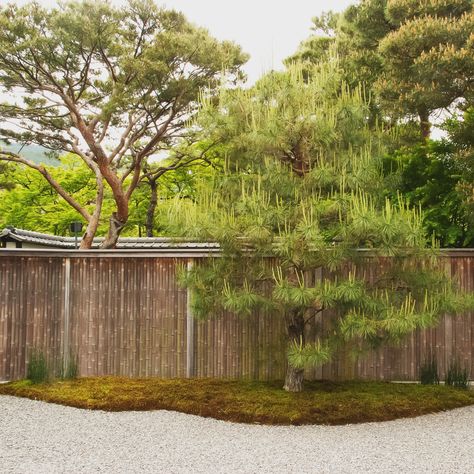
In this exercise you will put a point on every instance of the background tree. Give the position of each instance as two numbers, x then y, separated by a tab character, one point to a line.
437	176
416	56
432	178
354	34
31	203
461	135
428	61
317	48
4	182
177	176
112	85
302	193
27	201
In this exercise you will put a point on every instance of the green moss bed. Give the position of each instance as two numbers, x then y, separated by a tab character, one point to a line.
331	403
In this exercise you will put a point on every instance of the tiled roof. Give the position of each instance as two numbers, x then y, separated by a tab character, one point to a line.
56	241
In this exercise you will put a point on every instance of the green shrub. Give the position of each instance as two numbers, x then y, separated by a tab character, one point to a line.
457	376
37	370
429	371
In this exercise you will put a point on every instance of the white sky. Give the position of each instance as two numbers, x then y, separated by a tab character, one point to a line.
269	30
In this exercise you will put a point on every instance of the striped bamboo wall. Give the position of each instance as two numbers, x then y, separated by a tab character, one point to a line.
124	314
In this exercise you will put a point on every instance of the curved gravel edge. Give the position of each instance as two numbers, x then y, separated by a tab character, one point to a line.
46	438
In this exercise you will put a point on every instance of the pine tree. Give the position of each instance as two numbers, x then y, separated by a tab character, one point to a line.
114	85
427	60
415	56
301	193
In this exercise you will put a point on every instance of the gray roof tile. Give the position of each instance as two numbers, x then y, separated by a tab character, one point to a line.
57	241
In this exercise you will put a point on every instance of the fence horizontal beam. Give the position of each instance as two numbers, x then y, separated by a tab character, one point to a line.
179	252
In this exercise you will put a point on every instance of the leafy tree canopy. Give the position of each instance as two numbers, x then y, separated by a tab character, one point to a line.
428	61
431	178
4	182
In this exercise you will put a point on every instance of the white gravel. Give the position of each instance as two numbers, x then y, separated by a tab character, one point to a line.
37	437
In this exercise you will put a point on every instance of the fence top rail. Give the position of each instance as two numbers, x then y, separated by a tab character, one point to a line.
197	252
60	253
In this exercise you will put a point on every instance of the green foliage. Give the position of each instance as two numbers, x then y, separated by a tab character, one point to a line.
461	132
429	371
414	56
431	177
438	177
30	203
308	355
456	376
40	370
427	60
5	183
301	192
37	370
399	11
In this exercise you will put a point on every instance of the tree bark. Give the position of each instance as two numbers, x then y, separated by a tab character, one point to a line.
294	379
93	224
115	228
150	215
93	221
89	234
295	376
119	218
425	125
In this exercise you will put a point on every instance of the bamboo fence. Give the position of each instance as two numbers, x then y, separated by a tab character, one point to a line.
123	313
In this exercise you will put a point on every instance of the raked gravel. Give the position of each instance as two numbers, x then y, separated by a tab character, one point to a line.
37	437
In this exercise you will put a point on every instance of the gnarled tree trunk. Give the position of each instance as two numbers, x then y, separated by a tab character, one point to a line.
295	376
119	218
115	228
93	222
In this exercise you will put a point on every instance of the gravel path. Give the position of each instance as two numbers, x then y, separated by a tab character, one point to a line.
37	437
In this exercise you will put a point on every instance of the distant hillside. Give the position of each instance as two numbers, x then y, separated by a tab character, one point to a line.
34	153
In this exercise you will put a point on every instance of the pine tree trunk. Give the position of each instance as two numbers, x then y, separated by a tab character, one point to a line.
150	215
425	125
87	238
119	218
294	379
295	376
91	229
115	228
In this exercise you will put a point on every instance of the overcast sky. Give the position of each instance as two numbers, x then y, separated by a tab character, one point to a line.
269	30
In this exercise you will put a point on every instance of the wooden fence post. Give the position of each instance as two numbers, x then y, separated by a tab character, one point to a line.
189	330
67	313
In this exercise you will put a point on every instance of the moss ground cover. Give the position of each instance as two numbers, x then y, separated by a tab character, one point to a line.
331	403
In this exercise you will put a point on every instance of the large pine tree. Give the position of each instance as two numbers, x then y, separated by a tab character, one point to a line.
302	193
